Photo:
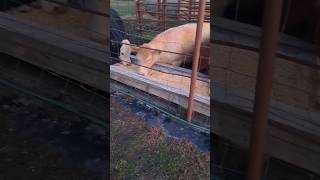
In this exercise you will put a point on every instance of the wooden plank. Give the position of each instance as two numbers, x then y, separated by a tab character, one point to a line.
293	133
62	53
66	68
297	120
247	36
33	79
24	30
160	89
282	144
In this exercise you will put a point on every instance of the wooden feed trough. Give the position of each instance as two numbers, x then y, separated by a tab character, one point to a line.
171	84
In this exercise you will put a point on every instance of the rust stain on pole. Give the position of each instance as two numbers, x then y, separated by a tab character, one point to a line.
196	55
269	45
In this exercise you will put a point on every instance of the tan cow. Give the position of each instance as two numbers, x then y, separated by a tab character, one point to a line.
180	39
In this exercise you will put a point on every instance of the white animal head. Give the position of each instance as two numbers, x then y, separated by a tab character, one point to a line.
125	52
147	57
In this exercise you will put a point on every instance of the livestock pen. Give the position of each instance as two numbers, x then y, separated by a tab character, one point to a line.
53	89
55	58
292	134
61	39
70	41
164	93
142	21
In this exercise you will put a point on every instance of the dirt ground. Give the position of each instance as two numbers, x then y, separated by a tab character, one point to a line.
145	153
34	138
33	145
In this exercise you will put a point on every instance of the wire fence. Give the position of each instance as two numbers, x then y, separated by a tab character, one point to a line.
127	10
295	100
235	69
299	19
294	105
230	162
76	20
141	24
295	87
54	89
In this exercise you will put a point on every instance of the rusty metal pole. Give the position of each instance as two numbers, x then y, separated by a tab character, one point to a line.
190	3
196	55
138	15
159	2
164	14
268	48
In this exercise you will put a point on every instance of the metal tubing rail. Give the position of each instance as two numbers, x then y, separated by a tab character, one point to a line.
195	62
269	45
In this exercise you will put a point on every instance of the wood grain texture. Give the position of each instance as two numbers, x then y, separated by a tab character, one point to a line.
69	55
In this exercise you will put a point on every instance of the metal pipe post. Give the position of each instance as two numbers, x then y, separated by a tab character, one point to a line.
190	10
138	14
269	44
196	55
159	2
164	12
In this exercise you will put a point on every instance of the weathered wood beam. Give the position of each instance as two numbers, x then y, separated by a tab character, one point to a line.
160	89
68	55
232	33
234	124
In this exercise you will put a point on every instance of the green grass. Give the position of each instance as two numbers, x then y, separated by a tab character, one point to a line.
148	36
131	157
125	8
